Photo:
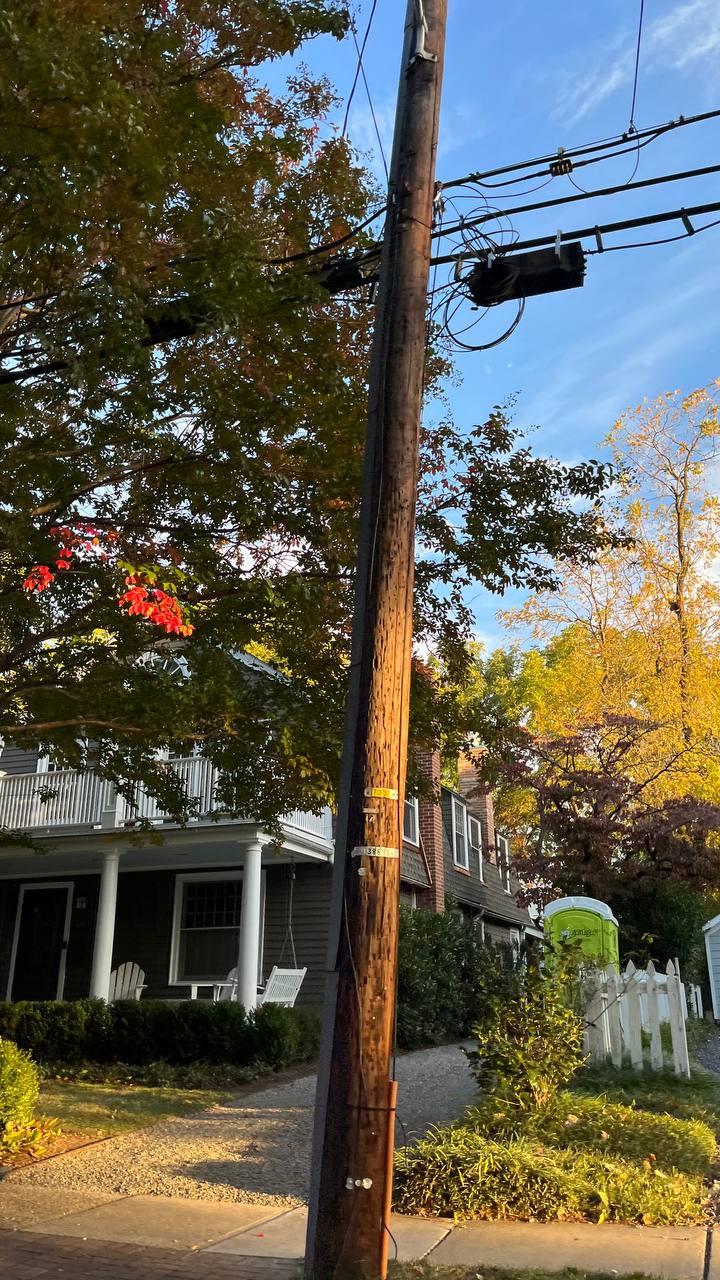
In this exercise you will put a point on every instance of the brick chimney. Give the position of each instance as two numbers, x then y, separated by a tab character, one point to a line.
431	832
478	798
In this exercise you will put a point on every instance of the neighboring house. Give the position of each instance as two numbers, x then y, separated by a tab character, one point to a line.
210	895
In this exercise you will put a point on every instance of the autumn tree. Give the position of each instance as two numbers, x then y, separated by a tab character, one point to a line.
638	631
182	407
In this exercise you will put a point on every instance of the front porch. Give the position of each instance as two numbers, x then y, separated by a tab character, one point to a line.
187	912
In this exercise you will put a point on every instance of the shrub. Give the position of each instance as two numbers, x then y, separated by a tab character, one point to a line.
596	1124
530	1039
441	960
459	1173
19	1086
143	1032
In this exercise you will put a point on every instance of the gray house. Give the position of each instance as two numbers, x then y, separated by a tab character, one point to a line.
208	896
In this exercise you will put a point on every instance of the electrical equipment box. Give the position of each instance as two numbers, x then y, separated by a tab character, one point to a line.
525	275
584	922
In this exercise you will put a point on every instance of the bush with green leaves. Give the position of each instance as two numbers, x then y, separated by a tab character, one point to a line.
140	1032
457	1172
589	1123
530	1038
443	971
19	1087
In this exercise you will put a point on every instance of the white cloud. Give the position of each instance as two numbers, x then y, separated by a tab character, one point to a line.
689	33
687	36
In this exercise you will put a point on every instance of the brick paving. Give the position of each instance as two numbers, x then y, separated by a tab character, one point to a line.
26	1256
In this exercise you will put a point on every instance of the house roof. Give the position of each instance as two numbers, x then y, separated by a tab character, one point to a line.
711	924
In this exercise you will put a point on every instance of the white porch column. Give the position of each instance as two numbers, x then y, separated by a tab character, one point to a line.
249	943
105	927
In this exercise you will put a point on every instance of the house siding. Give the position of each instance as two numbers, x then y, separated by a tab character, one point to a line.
143	926
311	916
460	885
18	760
413	870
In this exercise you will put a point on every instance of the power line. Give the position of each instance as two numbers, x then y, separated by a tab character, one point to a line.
582	233
372	108
330	244
631	126
358	68
617	140
583	195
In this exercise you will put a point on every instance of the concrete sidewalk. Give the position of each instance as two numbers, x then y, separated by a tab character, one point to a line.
272	1235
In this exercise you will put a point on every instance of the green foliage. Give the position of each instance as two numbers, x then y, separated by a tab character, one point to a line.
163	330
661	920
30	1139
157	1031
530	1038
19	1086
663	1093
440	962
592	1123
460	1173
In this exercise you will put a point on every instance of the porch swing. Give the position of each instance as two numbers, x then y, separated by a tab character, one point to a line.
283	985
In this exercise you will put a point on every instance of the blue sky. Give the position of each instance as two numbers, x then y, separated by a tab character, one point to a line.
522	79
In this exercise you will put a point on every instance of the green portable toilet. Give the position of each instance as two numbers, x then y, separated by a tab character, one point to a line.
585	921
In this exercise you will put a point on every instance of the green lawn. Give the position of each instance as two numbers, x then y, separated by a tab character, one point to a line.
98	1110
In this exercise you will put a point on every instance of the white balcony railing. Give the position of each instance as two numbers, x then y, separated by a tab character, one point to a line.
60	799
198	779
50	801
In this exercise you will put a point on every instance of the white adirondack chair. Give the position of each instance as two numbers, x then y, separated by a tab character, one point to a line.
282	987
126	982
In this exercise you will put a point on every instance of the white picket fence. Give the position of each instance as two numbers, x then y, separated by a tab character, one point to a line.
618	1007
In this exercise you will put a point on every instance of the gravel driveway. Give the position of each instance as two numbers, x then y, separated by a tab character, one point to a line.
254	1147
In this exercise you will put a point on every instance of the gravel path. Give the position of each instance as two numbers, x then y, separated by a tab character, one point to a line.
709	1053
254	1147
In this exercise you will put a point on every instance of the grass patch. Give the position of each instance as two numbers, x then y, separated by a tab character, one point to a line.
97	1111
459	1173
426	1271
661	1092
616	1147
586	1122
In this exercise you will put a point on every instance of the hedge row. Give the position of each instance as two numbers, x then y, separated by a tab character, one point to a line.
441	964
139	1032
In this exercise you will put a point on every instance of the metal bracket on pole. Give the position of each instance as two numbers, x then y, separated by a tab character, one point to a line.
421	29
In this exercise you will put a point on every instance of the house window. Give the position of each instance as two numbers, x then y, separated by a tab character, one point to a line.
460	840
475	842
515	941
410	822
206	927
503	860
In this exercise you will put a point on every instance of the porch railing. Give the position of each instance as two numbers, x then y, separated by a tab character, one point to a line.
48	801
60	799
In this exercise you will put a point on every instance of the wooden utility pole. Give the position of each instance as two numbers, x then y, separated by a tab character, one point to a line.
352	1148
